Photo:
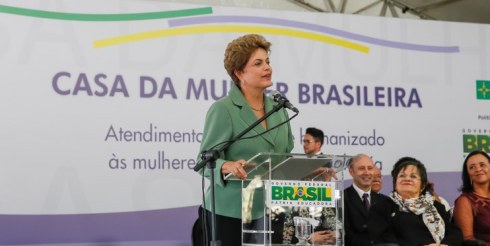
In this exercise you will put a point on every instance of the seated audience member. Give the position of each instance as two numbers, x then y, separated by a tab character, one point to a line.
430	187
358	199
472	207
412	216
377	183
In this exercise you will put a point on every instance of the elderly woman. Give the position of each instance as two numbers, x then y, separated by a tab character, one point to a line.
472	208
412	216
247	62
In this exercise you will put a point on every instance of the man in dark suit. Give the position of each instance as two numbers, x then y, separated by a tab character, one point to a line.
358	198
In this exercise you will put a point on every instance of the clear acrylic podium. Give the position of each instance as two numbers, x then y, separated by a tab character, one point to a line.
287	198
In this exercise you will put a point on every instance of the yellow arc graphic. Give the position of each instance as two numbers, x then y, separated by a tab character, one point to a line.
232	28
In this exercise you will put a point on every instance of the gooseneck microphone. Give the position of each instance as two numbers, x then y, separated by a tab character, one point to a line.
213	154
276	95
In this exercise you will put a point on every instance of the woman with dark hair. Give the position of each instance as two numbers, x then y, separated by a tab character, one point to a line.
472	207
412	216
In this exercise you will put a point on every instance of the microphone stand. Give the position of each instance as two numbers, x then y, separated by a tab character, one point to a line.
209	158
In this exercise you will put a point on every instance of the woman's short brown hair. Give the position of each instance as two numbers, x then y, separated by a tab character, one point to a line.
239	51
402	164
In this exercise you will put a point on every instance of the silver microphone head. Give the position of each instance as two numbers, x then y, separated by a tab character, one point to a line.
275	95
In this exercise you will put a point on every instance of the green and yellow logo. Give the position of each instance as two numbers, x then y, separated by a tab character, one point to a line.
301	193
483	89
473	142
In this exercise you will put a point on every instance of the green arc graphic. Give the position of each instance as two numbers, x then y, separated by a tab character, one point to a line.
104	17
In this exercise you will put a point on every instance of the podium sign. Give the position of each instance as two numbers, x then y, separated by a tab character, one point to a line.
300	193
287	198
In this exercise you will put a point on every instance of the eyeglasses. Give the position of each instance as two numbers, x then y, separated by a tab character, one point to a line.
307	141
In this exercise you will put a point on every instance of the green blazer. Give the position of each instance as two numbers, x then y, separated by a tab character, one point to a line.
227	118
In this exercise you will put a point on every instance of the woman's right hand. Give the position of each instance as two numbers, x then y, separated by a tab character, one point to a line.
322	237
235	168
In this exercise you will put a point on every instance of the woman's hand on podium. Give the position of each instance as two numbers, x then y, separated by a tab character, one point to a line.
322	238
325	173
235	168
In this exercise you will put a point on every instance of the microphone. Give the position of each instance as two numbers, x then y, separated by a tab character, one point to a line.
276	95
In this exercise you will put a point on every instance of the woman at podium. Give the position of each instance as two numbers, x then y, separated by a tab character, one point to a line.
247	61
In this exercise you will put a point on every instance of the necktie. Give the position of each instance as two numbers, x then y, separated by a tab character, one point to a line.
365	200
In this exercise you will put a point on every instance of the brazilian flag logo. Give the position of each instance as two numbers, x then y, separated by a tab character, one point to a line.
483	89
